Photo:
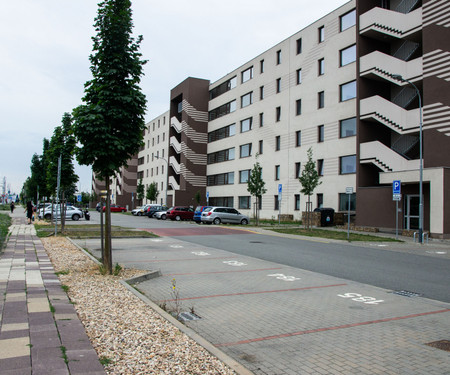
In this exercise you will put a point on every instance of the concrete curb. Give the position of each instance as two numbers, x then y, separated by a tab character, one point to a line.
230	362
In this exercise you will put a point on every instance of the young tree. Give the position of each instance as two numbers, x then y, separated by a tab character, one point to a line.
255	186
110	124
309	179
198	197
152	192
140	191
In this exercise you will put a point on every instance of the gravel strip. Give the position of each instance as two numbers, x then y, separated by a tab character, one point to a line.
126	333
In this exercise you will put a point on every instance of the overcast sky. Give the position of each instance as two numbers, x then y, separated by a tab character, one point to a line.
45	47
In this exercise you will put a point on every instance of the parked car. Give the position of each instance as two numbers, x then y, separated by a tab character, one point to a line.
71	213
140	211
161	215
219	215
153	209
198	213
116	208
180	213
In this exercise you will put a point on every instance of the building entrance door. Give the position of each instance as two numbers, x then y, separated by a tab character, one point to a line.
412	212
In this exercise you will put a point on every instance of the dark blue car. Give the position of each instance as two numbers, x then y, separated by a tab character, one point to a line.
198	214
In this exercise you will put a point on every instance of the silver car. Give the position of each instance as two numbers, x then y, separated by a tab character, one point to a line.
219	215
71	213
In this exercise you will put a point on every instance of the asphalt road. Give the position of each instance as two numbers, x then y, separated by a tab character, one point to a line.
389	267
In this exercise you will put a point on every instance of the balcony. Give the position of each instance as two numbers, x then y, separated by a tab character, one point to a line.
384	158
176	124
173	183
378	65
387	113
174	164
175	144
379	22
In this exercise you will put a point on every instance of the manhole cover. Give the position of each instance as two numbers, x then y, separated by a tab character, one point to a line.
406	293
187	316
442	344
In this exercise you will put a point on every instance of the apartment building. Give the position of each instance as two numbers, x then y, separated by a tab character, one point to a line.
334	87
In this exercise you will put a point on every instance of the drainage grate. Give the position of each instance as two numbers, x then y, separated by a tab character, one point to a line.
442	344
187	316
406	293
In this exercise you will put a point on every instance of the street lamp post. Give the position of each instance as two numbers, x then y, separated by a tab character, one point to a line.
167	172
400	78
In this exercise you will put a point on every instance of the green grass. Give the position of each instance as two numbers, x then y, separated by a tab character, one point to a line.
5	222
334	234
5	207
265	222
90	231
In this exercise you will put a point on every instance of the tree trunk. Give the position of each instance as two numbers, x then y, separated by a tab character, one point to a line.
107	258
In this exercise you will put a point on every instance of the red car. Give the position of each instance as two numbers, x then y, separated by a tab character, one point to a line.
116	208
180	213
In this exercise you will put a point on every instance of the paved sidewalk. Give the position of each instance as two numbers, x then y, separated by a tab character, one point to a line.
40	332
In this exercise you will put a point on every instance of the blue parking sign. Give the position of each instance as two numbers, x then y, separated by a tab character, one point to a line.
396	187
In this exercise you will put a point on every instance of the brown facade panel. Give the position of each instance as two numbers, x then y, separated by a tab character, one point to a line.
446	207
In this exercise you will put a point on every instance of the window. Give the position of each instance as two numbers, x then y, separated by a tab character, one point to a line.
321	34
297	169
299	46
278	114
279	57
244	203
247	74
297	202
347	127
298	138
320	133
298	107
347	55
243	176
347	91
320	200
278	85
220	179
225	132
321	66
320	167
164	137
221	201
299	76
261	66
157	140
277	143
321	99
261	119
276	205
347	20
246	99
347	164
245	150
221	156
277	172
222	110
343	201
261	93
246	125
260	149
222	88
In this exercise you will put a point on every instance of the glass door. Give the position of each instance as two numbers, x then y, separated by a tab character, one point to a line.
412	212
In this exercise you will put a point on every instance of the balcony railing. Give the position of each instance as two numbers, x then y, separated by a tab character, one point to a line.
383	65
175	144
176	124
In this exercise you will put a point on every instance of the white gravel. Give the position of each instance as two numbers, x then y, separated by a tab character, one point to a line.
124	331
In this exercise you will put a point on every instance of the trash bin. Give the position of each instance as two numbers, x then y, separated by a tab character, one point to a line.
326	216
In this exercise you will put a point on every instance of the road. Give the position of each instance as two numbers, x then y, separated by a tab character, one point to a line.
397	267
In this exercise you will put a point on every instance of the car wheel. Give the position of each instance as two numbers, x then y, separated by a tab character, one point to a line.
139	214
47	216
178	218
244	221
75	217
163	217
216	221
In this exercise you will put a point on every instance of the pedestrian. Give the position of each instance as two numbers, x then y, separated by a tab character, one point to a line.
29	211
12	206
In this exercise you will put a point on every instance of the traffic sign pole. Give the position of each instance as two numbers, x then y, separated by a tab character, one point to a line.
396	196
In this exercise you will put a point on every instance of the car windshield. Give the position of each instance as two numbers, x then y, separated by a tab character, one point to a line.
207	209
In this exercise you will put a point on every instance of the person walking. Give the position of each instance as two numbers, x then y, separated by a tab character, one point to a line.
12	206
29	211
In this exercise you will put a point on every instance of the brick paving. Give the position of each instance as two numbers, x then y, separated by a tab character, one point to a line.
40	332
276	319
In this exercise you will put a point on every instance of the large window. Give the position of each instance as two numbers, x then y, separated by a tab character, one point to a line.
245	150
244	203
223	88
297	202
347	127
244	176
347	55
297	169
247	74
347	91
221	179
246	99
222	110
221	201
347	20
246	125
347	164
343	202
225	132
221	156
